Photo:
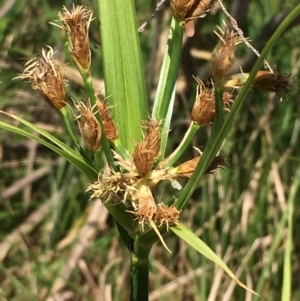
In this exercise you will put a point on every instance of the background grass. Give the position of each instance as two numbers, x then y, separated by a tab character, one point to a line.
48	226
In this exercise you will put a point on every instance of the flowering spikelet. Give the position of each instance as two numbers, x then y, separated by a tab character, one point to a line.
235	80
146	206
89	127
272	82
113	187
166	215
147	151
186	10
76	23
224	54
108	123
187	168
203	111
45	75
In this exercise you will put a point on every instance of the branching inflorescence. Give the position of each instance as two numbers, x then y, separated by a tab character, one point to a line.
132	178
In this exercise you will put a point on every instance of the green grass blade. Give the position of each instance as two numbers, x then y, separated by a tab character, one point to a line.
287	269
277	237
61	149
165	95
195	242
22	288
118	211
169	71
123	68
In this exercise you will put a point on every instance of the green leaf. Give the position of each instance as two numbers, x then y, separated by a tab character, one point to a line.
166	89
169	71
123	68
118	211
57	146
287	271
195	242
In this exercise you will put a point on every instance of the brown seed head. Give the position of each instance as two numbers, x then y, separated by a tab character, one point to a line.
272	82
108	123
46	75
146	206
89	127
203	111
223	56
186	10
76	23
166	215
147	151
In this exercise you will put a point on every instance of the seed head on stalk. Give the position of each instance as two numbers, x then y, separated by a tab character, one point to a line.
76	23
46	75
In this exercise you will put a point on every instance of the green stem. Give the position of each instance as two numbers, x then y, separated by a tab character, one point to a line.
187	139
65	115
123	218
165	95
139	278
219	115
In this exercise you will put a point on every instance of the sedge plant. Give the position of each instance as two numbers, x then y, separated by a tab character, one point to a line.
121	146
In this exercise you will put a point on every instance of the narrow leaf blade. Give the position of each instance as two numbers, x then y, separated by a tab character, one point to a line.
194	241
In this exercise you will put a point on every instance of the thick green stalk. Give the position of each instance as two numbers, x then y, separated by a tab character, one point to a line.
139	278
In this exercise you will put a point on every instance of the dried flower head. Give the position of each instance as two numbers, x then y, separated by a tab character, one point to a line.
272	82
76	23
89	126
113	187
145	207
203	111
166	215
223	56
108	123
147	151
186	10
46	75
